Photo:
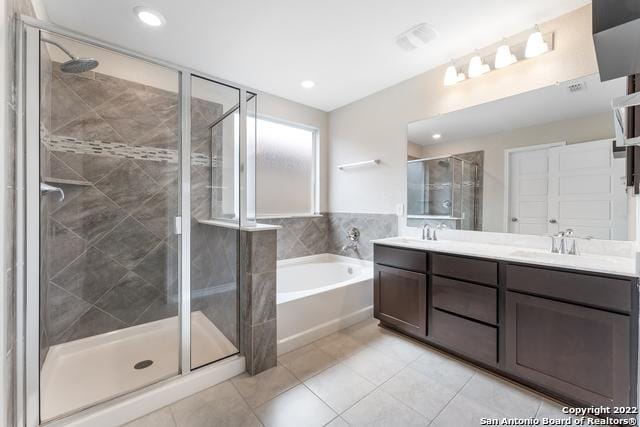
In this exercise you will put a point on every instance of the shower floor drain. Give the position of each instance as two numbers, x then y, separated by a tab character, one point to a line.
143	364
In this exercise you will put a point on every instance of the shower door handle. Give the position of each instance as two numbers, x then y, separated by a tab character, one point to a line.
46	189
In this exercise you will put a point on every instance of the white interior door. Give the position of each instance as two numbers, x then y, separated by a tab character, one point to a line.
529	191
587	190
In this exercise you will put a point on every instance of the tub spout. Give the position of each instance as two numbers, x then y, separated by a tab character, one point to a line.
352	245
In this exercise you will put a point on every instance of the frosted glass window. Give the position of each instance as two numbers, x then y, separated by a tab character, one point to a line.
285	166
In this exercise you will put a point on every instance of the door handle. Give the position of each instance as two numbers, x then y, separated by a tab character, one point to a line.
514	219
46	189
553	221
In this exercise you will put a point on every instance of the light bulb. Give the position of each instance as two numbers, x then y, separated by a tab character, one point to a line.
451	76
477	67
535	45
504	57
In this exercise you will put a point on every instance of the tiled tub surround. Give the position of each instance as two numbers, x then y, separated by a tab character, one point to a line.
111	255
326	233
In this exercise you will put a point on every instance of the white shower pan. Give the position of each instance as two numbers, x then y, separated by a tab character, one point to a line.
79	374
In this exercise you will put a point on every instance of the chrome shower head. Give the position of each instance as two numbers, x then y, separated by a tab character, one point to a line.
75	64
79	65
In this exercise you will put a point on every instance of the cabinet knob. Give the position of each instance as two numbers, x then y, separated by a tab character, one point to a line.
553	221
514	219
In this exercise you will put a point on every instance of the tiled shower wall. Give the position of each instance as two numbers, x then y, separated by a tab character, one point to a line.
112	256
327	234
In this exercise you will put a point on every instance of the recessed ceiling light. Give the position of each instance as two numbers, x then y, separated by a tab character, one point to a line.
148	16
307	84
436	136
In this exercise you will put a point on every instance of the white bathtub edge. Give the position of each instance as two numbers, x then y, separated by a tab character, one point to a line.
308	336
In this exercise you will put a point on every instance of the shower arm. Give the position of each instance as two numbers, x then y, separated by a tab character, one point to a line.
59	46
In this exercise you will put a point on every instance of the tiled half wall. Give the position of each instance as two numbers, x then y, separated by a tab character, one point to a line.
327	234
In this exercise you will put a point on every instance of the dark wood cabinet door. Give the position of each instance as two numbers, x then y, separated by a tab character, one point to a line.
576	351
400	299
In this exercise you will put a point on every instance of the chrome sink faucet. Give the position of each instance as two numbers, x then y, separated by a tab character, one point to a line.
441	226
426	232
562	248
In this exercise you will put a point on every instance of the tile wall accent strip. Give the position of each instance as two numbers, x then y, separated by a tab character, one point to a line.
67	144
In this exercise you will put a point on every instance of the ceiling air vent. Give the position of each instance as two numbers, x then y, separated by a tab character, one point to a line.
415	37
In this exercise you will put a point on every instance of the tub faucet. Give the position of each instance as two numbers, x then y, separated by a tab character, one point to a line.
353	235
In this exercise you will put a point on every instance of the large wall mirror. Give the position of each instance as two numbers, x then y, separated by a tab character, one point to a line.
539	163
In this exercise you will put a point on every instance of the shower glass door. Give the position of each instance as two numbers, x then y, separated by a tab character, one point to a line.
215	220
109	172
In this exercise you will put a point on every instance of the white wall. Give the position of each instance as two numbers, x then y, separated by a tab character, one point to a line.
583	129
376	126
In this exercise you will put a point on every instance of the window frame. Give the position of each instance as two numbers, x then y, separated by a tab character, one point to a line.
314	191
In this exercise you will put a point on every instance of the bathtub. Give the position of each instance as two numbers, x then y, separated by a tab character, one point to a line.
320	294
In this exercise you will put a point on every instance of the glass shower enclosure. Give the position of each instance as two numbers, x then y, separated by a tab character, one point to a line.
135	176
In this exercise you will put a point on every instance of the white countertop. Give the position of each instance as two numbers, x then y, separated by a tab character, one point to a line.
619	265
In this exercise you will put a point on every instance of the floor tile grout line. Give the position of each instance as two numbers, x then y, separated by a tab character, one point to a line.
538	409
246	402
453	397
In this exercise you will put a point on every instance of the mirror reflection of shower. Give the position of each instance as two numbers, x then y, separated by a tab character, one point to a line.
444	190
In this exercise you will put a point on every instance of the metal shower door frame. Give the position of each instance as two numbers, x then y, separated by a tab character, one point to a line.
28	204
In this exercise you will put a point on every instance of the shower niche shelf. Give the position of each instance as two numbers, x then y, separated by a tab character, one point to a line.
67	182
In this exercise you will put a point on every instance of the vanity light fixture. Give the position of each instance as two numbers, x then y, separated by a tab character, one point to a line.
307	84
436	136
452	76
477	67
149	17
535	44
504	57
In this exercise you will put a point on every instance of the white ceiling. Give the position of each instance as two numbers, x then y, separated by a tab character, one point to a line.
345	46
549	104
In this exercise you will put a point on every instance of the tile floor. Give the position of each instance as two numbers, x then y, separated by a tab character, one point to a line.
361	376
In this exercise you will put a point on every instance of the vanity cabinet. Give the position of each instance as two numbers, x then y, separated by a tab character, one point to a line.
400	289
573	350
571	334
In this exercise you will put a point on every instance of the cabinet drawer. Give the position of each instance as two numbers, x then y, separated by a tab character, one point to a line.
465	336
465	268
406	259
605	292
467	299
